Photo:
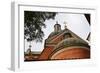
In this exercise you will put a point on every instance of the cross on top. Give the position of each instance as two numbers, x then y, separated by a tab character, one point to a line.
56	22
65	24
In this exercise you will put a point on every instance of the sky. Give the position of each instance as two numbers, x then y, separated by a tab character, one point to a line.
77	23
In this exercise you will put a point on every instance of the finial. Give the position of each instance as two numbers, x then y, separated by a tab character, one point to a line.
56	22
30	46
65	25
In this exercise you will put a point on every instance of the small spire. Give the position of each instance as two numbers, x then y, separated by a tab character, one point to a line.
65	25
30	46
56	22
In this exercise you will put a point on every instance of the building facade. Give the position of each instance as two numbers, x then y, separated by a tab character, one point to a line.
64	44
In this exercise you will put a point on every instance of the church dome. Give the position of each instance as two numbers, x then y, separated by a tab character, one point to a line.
57	30
53	34
71	43
64	44
57	27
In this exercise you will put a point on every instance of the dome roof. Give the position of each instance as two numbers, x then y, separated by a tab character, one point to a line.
57	25
71	42
67	43
52	35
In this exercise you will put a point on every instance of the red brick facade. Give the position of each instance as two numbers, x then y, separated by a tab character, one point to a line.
73	53
64	45
80	49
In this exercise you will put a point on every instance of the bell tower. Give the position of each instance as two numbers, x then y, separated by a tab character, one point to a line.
57	27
